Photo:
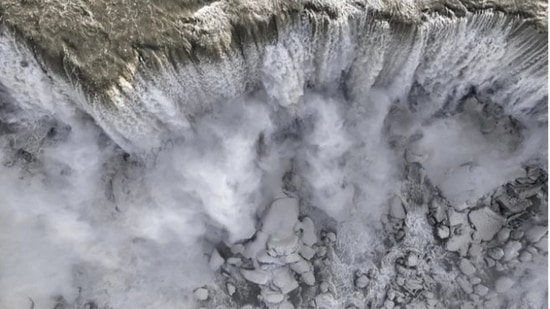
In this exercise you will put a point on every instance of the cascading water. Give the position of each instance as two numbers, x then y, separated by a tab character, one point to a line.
120	204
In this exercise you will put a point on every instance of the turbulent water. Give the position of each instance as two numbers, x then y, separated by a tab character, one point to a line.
120	203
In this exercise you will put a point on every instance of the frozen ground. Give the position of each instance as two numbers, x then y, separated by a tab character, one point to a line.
349	163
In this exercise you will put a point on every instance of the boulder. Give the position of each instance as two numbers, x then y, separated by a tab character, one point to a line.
486	222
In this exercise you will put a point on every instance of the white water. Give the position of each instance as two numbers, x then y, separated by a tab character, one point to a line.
199	178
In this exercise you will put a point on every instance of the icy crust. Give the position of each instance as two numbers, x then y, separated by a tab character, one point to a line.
103	45
352	55
353	51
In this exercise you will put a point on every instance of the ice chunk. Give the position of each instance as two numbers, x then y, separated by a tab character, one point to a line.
443	232
307	252
412	260
286	305
281	217
292	258
284	280
481	290
464	284
362	281
503	235
272	297
201	294
331	236
486	222
265	258
256	276
542	244
397	209
216	260
308	232
460	242
300	267
466	267
535	233
503	284
283	246
308	278
230	288
511	250
475	250
525	256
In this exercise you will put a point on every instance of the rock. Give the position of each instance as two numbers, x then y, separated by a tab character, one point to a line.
308	232
216	260
466	267
256	276
503	235
535	233
496	253
230	287
307	252
201	294
284	280
486	222
481	290
511	250
362	281
397	209
388	304
443	232
503	284
308	278
464	285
